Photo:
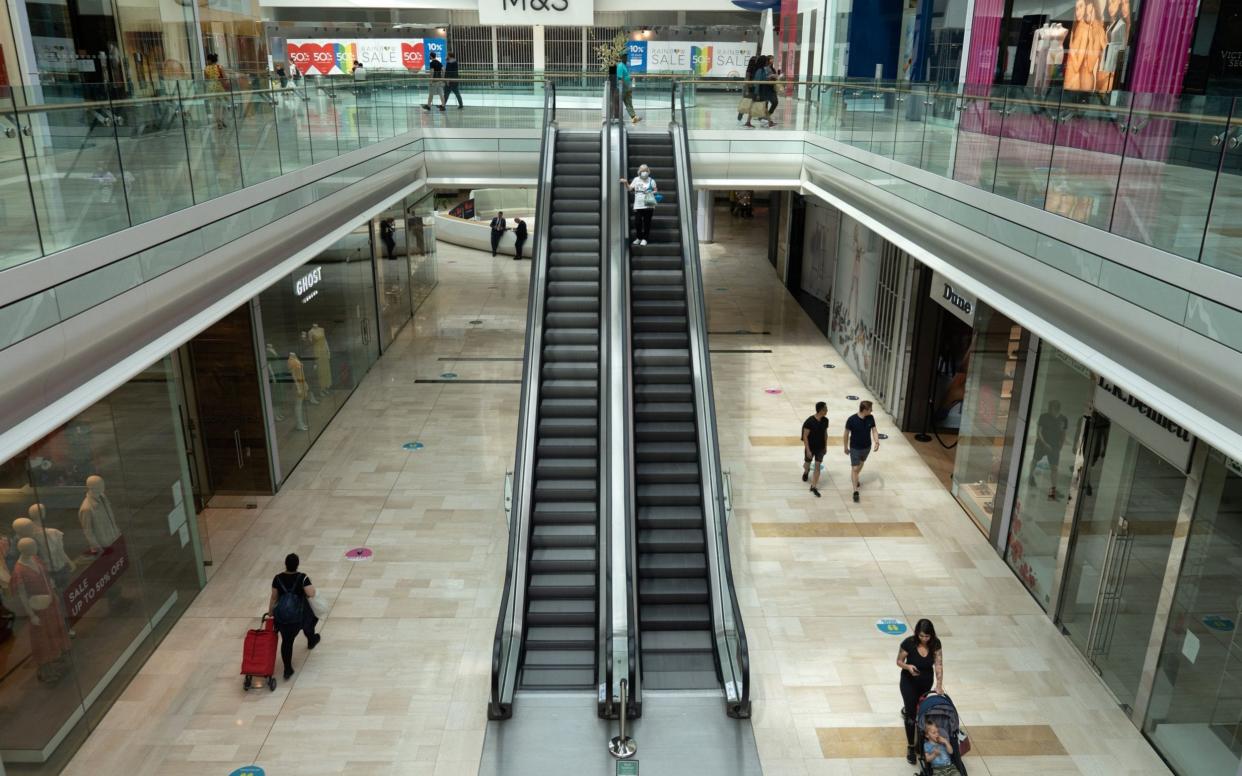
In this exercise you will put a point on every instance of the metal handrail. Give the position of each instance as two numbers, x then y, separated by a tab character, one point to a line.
507	647
734	666
620	216
608	516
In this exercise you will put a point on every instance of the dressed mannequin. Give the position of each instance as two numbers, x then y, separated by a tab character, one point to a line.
323	356
1113	64
1047	53
301	390
96	516
49	636
51	543
270	372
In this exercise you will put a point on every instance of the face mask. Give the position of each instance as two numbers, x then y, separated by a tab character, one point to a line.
644	175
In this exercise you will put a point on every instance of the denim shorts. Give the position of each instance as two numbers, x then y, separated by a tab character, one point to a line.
858	455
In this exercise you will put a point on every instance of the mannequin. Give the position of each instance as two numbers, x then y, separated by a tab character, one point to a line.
301	390
1047	53
1118	31
49	636
270	371
96	516
51	545
323	356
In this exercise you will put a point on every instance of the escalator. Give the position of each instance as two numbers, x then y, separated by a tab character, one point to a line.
563	588
690	633
548	633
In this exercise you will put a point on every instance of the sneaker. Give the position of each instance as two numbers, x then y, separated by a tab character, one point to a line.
636	119
314	641
636	241
642	242
911	757
426	107
816	492
441	108
855	497
804	476
288	673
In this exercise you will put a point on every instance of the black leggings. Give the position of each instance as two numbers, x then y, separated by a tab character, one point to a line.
642	223
912	688
290	632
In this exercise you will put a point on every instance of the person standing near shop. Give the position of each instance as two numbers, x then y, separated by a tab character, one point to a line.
1049	439
290	607
498	230
814	445
451	74
519	237
435	87
861	439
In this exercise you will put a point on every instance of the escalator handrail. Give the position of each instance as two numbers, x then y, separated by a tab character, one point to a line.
513	594
719	562
621	213
607	515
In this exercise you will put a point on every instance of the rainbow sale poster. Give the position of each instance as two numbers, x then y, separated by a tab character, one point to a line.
337	56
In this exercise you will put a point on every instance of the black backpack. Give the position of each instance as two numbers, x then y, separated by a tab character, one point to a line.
289	605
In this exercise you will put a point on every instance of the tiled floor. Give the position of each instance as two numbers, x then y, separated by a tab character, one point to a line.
399	684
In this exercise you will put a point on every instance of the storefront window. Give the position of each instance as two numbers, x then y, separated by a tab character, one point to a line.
983	442
1060	396
420	235
318	334
1195	715
392	273
102	558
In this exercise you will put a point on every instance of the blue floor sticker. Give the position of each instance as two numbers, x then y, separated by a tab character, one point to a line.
890	626
412	446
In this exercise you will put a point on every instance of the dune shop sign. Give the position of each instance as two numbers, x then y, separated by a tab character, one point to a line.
551	12
952	298
337	56
1163	436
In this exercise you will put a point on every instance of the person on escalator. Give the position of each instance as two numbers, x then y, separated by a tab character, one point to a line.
644	188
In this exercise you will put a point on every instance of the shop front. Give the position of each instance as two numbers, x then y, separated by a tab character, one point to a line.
101	555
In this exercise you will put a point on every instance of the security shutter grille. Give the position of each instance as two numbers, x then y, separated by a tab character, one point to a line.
890	311
473	46
514	49
563	49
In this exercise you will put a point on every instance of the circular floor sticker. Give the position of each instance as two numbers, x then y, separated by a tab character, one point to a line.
448	375
830	366
1218	623
772	391
475	322
248	770
852	397
883	436
412	446
890	626
359	553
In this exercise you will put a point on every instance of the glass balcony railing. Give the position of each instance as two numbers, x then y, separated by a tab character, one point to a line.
81	161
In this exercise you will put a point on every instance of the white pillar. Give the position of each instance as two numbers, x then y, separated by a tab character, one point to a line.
768	44
805	65
970	24
705	225
828	42
536	44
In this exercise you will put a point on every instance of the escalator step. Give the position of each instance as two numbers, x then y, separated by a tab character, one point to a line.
665	472
578	231
659	307
571	370
561	288
660	323
664	432
664	392
560	637
566	468
670	540
661	339
669	493
569	408
568	560
580	658
559	353
565	512
569	389
672	564
662	374
558	678
562	586
575	244
575	168
560	181
661	357
649	261
645	293
588	193
672	590
685	642
569	611
666	617
572	259
668	249
656	277
665	452
563	336
566	490
572	320
566	156
651	412
572	304
574	274
569	447
569	427
574	205
563	535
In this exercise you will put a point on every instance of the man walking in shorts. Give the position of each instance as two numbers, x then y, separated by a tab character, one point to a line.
815	444
861	438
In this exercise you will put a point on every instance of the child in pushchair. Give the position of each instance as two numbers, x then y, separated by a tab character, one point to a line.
941	740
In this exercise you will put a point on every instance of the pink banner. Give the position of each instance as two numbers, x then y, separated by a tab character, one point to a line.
789	43
91	584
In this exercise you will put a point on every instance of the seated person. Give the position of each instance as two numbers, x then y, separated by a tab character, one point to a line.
937	752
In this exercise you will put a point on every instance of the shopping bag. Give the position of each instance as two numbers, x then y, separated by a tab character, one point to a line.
743	105
759	109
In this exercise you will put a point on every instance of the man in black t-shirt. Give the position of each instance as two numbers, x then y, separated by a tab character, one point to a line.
437	81
1049	439
295	616
861	438
815	444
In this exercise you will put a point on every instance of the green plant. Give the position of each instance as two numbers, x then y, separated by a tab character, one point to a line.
611	52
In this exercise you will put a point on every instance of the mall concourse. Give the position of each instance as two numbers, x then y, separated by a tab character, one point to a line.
476	346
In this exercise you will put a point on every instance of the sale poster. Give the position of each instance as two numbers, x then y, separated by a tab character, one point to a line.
337	56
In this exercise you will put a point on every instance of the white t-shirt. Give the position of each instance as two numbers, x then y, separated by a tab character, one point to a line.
640	188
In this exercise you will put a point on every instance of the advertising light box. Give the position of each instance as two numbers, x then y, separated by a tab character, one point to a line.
704	60
337	56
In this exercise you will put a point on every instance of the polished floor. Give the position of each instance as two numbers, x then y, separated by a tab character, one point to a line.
400	682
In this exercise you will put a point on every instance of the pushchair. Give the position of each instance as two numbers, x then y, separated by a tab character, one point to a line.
938	708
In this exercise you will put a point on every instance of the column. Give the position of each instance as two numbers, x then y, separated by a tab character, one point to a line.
536	46
705	220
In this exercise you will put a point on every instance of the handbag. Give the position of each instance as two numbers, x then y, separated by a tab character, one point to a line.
650	199
743	105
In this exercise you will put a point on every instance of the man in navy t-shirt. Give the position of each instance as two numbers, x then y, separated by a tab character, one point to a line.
860	439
